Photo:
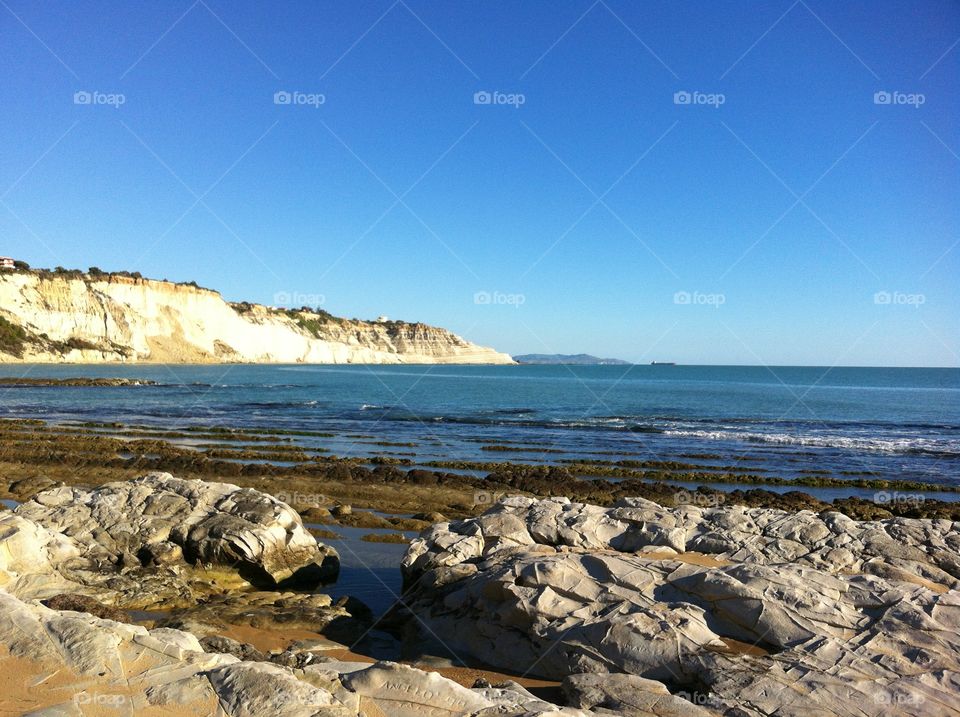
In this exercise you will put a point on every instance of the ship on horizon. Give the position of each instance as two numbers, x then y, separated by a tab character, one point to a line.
663	363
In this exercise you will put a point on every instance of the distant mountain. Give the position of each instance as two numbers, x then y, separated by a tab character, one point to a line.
578	359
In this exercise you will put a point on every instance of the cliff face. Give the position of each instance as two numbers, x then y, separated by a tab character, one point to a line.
79	318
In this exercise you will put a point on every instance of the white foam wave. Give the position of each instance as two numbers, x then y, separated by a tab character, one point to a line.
885	445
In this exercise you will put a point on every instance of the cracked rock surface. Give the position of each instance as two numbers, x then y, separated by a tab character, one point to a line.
106	663
639	610
157	539
739	611
72	560
71	664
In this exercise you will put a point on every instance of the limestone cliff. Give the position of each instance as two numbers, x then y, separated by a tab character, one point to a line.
74	317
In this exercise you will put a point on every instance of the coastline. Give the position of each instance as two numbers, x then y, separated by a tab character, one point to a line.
674	593
91	453
124	317
442	561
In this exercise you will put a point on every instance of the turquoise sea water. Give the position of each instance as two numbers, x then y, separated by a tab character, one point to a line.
784	421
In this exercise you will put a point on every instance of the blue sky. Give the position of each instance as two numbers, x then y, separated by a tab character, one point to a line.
783	216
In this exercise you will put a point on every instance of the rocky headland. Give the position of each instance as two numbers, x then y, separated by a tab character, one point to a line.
97	317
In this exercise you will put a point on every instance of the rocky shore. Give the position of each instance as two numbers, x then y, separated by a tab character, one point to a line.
743	611
79	381
75	565
633	609
298	466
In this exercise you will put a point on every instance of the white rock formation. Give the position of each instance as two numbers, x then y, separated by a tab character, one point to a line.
114	318
775	613
133	542
70	663
57	662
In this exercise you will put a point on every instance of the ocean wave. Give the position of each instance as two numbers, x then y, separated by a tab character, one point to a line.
508	420
859	436
911	446
799	423
270	404
639	424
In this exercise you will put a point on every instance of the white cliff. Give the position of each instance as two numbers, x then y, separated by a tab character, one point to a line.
47	317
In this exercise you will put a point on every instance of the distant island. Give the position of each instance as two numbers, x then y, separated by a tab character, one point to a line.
577	359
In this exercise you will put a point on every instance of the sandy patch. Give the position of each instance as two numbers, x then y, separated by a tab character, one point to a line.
27	685
737	647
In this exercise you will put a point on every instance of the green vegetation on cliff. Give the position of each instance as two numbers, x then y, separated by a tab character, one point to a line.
94	273
12	338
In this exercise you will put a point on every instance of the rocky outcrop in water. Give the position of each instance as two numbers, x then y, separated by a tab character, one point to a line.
71	316
743	611
79	382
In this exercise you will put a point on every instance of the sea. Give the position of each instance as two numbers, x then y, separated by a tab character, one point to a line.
783	422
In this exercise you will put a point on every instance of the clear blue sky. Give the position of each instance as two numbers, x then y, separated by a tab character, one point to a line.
594	202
